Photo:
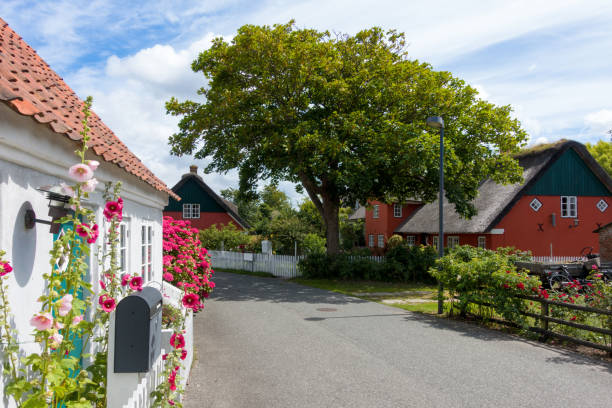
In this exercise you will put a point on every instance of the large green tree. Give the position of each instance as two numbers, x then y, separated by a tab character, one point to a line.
602	152
343	117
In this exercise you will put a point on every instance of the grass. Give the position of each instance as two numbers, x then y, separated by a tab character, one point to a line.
355	288
242	272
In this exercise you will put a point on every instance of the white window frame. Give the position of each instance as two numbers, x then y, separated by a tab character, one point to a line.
397	210
411	240
452	241
381	241
371	240
602	205
535	205
482	242
566	206
434	241
146	252
123	248
376	211
191	210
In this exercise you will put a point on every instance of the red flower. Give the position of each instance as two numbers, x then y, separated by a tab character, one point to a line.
191	300
520	285
136	283
177	341
5	268
108	305
125	279
183	354
506	286
573	318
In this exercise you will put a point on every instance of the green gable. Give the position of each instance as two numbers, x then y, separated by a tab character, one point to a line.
569	175
192	192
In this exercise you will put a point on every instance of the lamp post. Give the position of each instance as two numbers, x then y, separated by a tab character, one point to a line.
438	122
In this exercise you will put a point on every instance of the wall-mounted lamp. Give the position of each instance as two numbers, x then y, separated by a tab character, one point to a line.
59	205
553	219
576	222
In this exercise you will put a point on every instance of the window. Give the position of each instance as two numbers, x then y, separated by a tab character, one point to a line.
435	241
123	246
535	204
411	240
381	241
191	211
452	241
146	250
482	242
371	240
568	207
397	210
602	205
376	213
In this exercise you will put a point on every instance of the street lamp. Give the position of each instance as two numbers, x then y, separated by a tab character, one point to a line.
438	122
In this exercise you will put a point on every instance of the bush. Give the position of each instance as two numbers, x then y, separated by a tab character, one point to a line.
410	263
313	244
481	275
232	238
339	266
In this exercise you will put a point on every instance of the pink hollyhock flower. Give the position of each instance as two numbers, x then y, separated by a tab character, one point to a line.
594	267
113	207
42	321
102	285
93	164
65	304
90	185
58	325
183	354
177	340
67	190
94	232
164	356
5	268
55	340
191	300
83	231
168	276
170	402
77	319
125	278
136	283
80	172
108	305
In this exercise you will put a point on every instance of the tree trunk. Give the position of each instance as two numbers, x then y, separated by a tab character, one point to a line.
332	226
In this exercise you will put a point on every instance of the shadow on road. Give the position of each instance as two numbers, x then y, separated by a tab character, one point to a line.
235	287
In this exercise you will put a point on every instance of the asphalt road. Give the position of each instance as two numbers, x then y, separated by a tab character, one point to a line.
267	343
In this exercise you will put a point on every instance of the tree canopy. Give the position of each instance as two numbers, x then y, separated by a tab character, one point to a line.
602	152
344	118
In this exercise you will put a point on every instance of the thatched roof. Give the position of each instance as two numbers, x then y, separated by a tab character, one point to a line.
494	200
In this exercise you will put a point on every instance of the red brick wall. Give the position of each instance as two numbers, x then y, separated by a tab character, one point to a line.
206	219
605	244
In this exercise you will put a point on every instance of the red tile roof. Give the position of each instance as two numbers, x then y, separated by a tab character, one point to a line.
29	86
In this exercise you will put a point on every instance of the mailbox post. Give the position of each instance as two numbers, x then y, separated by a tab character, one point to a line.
138	331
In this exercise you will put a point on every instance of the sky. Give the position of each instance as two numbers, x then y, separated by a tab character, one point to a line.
550	60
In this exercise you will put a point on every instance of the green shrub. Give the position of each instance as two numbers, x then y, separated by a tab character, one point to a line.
410	263
339	266
480	275
313	244
232	238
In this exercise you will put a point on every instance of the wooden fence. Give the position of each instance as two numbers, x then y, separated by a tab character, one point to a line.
543	320
282	266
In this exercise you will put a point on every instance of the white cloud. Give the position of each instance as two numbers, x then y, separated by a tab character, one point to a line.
600	121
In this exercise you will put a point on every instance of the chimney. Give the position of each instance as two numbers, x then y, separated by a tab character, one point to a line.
193	169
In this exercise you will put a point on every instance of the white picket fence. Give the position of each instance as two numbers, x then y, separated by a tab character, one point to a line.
556	259
141	397
282	266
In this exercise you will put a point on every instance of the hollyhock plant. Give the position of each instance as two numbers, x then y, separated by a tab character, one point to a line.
65	304
177	340
136	283
125	279
5	268
93	164
90	185
108	304
42	321
191	300
80	172
55	340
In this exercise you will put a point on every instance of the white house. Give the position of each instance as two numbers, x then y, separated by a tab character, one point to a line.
40	120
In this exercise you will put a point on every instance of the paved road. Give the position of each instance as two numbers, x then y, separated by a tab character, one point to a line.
269	343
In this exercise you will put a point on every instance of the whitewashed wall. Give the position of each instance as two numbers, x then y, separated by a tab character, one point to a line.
31	155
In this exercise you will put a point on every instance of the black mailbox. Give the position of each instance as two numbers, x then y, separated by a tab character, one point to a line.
138	331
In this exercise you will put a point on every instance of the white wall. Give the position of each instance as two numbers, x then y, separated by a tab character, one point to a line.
31	155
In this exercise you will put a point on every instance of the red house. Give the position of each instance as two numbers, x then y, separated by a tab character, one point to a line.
565	195
201	205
